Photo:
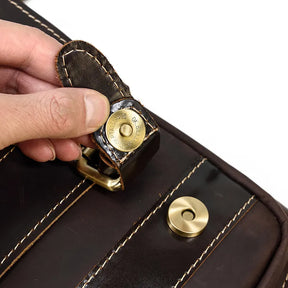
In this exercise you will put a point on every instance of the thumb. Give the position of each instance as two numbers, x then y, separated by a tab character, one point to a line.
57	113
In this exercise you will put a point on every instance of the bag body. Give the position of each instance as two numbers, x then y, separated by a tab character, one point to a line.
61	230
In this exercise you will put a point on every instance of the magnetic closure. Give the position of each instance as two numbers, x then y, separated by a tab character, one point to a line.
129	138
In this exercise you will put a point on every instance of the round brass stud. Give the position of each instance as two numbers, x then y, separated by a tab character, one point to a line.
187	216
125	130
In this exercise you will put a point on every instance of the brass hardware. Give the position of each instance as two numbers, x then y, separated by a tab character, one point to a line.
125	130
187	216
95	175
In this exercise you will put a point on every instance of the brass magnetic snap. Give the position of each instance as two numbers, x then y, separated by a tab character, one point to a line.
125	130
187	216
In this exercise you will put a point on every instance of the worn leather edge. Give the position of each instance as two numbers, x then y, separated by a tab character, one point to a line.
276	267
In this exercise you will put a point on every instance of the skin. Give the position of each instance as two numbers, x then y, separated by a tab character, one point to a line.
45	121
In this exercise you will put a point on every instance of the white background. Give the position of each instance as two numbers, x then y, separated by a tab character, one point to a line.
217	70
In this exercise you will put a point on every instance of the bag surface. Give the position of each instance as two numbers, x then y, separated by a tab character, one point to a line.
61	230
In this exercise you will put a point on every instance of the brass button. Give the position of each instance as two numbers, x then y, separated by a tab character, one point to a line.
125	130
187	216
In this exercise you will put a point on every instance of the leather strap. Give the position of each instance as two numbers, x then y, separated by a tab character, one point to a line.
79	64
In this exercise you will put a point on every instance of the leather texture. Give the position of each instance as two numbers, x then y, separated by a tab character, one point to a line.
81	65
101	239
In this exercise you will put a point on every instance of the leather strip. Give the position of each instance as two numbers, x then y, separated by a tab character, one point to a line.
39	223
42	232
16	246
79	64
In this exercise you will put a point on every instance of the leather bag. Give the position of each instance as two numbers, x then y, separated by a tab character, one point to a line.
60	229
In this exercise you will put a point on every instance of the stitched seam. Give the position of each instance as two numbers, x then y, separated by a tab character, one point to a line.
37	21
41	221
119	161
146	219
212	243
6	155
285	281
101	65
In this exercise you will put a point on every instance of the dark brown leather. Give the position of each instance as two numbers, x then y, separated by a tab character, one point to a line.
126	232
80	64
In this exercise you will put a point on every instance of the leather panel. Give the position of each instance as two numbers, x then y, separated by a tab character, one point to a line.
86	233
154	256
32	196
243	256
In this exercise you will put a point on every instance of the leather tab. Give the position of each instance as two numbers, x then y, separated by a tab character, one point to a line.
80	64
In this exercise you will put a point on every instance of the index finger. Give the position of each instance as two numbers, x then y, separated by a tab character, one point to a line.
29	50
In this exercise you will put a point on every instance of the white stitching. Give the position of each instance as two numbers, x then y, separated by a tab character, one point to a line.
6	155
42	220
117	86
285	281
37	21
214	241
144	221
97	60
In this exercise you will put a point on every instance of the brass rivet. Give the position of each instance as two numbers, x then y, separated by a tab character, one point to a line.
187	216
125	130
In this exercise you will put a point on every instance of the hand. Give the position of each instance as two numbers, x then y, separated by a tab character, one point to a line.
46	121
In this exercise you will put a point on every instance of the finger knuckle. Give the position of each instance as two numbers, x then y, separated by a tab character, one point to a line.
62	113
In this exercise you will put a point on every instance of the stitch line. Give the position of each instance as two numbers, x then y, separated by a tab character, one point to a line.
66	71
285	281
100	64
118	161
214	241
37	21
146	219
41	221
7	154
139	112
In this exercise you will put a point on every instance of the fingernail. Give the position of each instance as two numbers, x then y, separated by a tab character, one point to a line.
53	153
97	110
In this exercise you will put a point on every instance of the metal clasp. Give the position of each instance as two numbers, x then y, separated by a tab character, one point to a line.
92	173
